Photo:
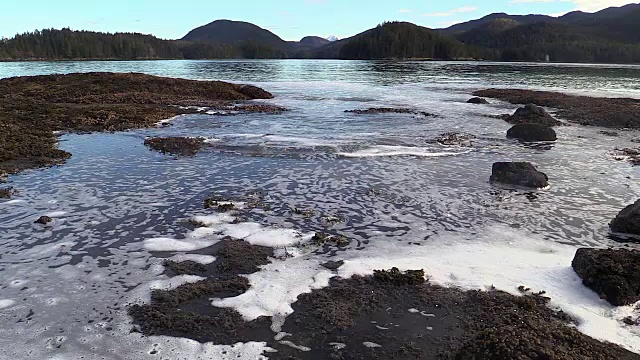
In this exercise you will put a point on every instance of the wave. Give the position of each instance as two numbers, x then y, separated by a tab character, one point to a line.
388	150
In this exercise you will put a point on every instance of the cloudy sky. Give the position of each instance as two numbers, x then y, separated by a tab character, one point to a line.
290	19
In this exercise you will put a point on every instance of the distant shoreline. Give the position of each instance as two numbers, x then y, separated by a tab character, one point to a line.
320	59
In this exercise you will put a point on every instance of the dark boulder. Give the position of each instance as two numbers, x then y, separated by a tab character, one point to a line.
628	220
532	132
532	114
477	100
519	174
612	273
44	220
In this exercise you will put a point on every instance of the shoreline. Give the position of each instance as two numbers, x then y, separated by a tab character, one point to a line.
456	326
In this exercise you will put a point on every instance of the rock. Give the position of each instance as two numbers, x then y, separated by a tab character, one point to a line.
371	111
44	220
454	138
609	133
254	92
532	132
175	145
477	100
628	220
615	113
532	114
519	174
7	192
630	154
612	273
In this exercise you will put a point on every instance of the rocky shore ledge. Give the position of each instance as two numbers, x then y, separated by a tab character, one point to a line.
33	108
584	110
389	315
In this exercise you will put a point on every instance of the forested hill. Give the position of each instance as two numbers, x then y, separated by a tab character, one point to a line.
398	40
611	35
67	44
608	36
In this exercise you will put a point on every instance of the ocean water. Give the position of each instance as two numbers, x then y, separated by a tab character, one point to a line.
403	199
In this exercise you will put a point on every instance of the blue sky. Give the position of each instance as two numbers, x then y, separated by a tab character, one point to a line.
290	19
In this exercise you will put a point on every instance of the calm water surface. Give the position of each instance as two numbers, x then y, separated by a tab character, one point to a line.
62	289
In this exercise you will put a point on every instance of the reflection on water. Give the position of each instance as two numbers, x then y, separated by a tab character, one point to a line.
600	79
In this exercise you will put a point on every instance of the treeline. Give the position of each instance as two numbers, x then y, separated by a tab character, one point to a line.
400	40
501	40
67	44
551	41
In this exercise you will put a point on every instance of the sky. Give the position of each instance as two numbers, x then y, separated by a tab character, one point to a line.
290	19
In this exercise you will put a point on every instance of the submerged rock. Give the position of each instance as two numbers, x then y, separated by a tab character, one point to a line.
532	132
477	100
630	154
612	273
455	138
7	192
532	114
182	146
628	220
388	111
519	174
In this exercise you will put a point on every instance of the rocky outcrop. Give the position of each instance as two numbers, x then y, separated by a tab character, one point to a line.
32	108
532	132
614	113
532	114
477	100
612	273
180	146
628	220
519	174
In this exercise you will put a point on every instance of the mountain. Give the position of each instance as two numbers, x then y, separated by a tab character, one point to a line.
313	41
474	24
230	32
610	35
396	40
332	38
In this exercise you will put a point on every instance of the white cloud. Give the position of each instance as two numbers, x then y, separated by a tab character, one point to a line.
584	5
464	9
596	5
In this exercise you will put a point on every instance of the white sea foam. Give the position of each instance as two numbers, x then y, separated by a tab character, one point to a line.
253	233
170	244
389	150
199	258
5	303
277	286
55	214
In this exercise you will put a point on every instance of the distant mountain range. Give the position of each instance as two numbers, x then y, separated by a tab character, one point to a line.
610	35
